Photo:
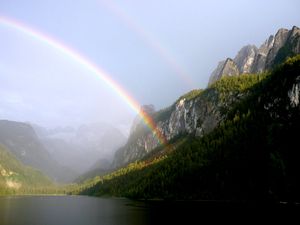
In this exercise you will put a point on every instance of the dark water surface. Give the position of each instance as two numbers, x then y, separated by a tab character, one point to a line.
73	210
81	210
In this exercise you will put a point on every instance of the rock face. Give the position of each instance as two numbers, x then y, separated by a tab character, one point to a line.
195	116
294	93
279	41
294	39
273	51
225	68
217	73
201	114
245	58
260	59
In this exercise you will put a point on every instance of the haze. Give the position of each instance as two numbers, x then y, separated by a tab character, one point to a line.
156	50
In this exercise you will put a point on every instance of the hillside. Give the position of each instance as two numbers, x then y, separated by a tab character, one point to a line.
15	177
248	156
21	140
200	111
196	113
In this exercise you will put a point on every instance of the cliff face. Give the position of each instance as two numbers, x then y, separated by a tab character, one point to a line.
197	116
225	68
245	58
261	56
200	113
273	51
217	73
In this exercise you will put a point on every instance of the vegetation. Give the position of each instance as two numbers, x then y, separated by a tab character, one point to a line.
16	178
163	114
190	95
248	157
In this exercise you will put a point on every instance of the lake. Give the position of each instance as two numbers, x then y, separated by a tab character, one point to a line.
73	210
81	210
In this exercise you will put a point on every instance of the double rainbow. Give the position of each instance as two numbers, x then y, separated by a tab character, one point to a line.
149	40
89	66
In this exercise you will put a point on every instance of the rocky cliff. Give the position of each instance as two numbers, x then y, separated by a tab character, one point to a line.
225	68
245	58
196	113
250	59
199	112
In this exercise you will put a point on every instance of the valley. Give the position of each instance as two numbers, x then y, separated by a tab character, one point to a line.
149	112
226	142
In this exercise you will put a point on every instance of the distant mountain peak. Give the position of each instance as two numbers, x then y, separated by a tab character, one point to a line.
22	141
245	58
250	59
225	68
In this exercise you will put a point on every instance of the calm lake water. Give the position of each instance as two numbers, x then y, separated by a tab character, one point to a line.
81	210
73	210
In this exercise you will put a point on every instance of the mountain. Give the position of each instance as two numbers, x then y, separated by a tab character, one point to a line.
15	177
21	140
227	67
250	155
197	112
84	148
250	59
245	58
100	137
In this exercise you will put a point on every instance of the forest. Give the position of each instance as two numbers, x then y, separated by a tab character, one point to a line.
250	156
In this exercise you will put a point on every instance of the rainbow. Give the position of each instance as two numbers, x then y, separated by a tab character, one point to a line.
150	41
87	64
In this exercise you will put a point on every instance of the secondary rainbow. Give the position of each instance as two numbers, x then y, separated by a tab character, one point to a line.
94	69
150	41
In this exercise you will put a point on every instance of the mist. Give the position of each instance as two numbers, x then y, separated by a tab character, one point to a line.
49	89
78	119
82	148
77	116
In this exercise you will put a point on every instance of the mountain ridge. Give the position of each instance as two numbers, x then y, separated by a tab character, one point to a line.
205	110
21	140
248	157
250	59
197	113
15	177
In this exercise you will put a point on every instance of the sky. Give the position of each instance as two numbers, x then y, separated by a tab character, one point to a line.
154	50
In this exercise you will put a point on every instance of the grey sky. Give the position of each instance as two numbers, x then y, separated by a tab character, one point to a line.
142	44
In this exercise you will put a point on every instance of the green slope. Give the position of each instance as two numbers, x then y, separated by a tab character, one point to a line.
250	156
16	178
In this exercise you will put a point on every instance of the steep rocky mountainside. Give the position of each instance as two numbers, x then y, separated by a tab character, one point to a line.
250	59
21	140
198	112
252	156
227	67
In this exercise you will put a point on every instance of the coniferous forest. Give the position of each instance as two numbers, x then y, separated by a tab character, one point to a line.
251	156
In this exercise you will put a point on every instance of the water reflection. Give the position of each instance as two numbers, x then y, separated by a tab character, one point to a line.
80	210
73	210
